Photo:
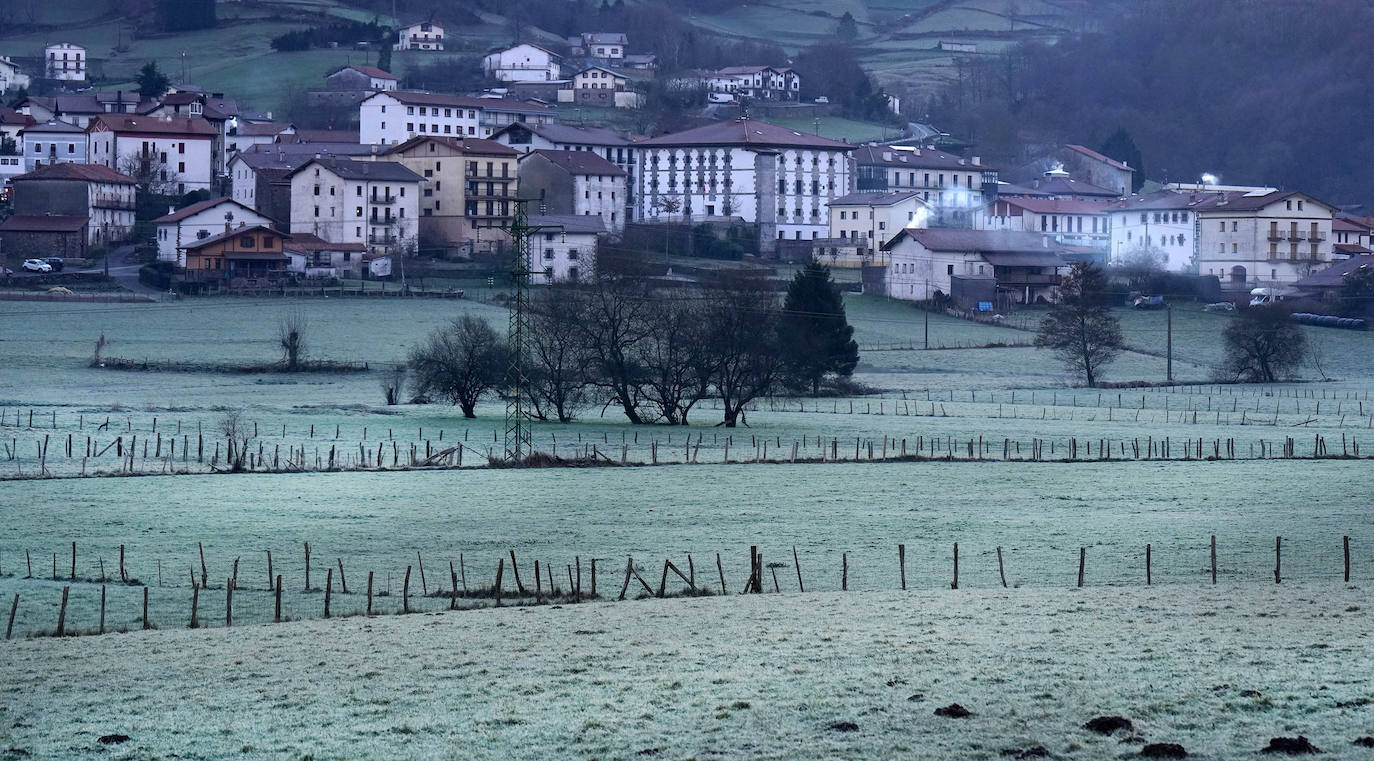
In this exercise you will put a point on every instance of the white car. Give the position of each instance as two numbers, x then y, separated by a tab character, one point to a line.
37	265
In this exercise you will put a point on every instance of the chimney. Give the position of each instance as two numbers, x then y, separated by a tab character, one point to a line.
887	155
977	160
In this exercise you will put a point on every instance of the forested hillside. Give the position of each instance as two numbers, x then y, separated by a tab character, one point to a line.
1256	91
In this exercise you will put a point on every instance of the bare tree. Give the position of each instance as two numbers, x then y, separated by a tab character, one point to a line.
1262	344
237	433
559	373
291	337
617	316
150	174
394	383
743	350
675	359
460	362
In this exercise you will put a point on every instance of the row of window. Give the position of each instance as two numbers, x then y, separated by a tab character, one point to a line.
1165	218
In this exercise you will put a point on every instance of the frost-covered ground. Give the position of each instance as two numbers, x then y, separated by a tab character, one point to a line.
758	677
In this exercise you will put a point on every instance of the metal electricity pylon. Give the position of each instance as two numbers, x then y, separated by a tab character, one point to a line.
517	378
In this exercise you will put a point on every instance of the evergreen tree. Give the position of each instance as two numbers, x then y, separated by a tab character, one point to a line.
1121	146
1081	328
847	29
816	337
384	54
152	83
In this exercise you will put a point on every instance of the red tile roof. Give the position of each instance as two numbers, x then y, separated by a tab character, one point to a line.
87	172
1090	153
176	125
371	71
313	242
45	223
746	133
578	162
197	208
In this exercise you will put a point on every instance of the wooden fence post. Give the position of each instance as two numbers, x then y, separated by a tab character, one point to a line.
496	589
955	584
424	586
123	575
204	575
539	585
515	569
276	612
901	563
369	593
1278	558
1001	571
270	577
453	579
720	570
797	564
593	577
343	582
228	603
405	592
14	608
146	624
328	590
629	562
62	613
307	566
1214	558
1148	579
1082	558
1346	542
844	572
102	609
195	606
73	574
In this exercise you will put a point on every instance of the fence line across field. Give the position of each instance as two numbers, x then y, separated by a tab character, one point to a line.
546	587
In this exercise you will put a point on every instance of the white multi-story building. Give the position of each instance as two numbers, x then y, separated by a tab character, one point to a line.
422	36
103	196
776	178
65	61
566	252
54	142
182	227
175	151
391	118
602	46
371	202
11	76
580	183
523	63
1262	238
1064	221
876	217
1159	227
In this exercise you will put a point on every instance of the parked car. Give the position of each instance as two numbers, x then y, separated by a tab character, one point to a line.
37	265
1148	302
1267	296
55	262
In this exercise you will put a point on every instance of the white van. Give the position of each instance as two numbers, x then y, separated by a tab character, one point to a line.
1265	296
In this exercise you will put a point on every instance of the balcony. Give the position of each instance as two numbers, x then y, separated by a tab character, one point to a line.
1297	235
381	240
382	200
1275	235
1316	237
1015	278
112	202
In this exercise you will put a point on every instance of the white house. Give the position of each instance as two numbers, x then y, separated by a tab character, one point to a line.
1262	238
580	183
566	253
599	86
393	117
757	82
860	223
178	228
603	46
313	256
342	201
356	77
11	76
977	265
523	63
54	143
179	151
1160	226
1351	237
65	61
422	36
777	178
105	197
1064	221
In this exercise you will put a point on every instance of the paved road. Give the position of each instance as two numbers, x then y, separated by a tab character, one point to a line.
125	271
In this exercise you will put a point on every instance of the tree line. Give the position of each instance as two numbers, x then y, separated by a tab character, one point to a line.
617	343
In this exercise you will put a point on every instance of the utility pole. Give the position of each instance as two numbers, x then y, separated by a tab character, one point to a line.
1169	367
518	445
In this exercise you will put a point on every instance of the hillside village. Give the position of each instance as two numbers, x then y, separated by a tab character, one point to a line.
435	174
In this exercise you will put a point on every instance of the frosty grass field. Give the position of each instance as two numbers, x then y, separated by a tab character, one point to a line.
732	677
